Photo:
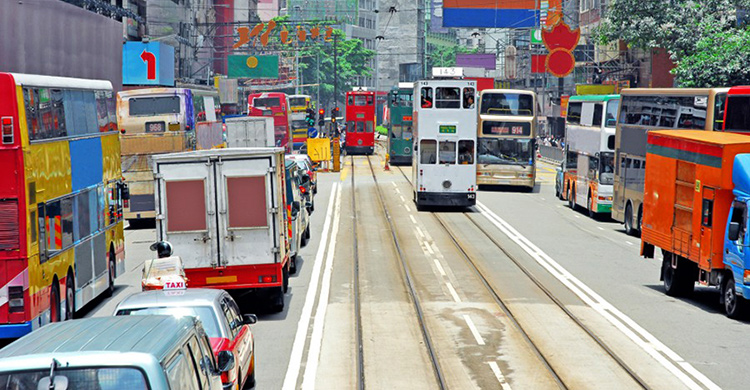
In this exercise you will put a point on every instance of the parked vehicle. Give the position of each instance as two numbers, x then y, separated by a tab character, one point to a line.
305	163
305	185
134	352
250	132
227	329
559	178
696	196
297	216
233	238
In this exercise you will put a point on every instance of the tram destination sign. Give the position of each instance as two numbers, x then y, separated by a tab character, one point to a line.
506	128
447	129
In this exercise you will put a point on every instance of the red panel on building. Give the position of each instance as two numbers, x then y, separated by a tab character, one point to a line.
483	82
661	64
537	63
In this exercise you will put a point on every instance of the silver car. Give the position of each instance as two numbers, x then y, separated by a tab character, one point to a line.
227	329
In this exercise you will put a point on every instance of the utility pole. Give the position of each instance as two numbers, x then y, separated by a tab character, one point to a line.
335	71
318	74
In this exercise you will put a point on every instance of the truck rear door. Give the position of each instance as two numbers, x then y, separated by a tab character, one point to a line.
247	204
187	212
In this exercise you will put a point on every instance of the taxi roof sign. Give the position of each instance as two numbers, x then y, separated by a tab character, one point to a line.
174	282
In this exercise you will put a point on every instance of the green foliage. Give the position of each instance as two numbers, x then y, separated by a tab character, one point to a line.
445	56
381	130
685	28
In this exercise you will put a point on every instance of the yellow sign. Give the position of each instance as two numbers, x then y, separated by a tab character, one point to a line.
596	89
252	62
319	149
697	186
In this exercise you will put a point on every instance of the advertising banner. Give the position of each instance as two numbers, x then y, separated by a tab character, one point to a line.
253	67
490	14
485	61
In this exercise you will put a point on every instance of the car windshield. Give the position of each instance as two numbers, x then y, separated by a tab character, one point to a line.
99	378
204	313
505	151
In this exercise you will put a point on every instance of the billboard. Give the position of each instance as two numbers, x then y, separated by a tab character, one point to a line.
253	67
436	17
470	60
490	14
147	64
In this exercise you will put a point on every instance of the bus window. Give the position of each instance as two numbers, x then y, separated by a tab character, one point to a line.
597	120
720	100
427	151
571	160
426	97
368	127
447	97
466	152
468	97
611	115
267	102
148	106
447	152
606	168
738	116
574	113
593	167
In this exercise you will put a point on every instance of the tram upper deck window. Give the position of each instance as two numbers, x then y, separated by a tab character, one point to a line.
360	100
468	97
427	151
447	97
426	97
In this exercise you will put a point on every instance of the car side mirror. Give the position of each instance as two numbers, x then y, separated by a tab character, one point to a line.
249	319
295	207
308	205
225	361
734	231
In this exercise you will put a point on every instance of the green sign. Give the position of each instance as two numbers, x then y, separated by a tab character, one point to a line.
536	36
447	129
253	67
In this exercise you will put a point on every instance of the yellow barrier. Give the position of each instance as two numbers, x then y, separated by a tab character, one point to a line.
319	149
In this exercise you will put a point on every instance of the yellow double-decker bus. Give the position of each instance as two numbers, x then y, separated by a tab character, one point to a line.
61	198
506	138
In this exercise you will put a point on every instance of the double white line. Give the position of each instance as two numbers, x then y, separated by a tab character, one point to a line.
670	360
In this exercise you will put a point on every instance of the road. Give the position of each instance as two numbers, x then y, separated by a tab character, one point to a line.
517	292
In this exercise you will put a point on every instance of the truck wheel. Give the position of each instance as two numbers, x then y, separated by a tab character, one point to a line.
733	305
640	220
307	232
293	265
629	220
70	304
277	300
677	281
285	276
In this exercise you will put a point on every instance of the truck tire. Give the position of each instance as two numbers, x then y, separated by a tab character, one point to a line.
293	265
629	229
285	281
733	304
677	281
277	300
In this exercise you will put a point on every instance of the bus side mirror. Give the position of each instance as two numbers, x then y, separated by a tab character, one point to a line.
733	234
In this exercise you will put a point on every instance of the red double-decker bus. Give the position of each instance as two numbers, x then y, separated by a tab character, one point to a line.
276	105
360	122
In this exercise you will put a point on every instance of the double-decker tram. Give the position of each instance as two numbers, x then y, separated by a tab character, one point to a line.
644	109
589	164
506	138
298	108
360	122
275	105
443	162
61	198
400	132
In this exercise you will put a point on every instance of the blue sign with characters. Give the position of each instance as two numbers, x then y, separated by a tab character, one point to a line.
312	132
149	63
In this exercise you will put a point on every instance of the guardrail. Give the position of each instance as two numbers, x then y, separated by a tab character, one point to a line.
551	154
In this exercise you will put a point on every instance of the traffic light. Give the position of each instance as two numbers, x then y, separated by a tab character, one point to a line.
334	114
310	119
321	117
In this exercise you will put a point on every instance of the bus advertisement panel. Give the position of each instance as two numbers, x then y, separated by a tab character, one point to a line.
360	122
160	120
276	105
506	138
400	132
61	198
588	168
644	109
443	163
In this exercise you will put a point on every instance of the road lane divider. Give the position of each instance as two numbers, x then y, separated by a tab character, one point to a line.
667	358
453	292
499	375
300	338
473	329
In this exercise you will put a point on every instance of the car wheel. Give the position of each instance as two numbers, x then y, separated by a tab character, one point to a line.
70	299
307	232
733	305
54	303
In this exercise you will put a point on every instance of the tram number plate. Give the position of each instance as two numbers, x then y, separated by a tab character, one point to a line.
447	129
472	195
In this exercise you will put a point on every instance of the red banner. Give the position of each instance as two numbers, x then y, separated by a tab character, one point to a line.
537	63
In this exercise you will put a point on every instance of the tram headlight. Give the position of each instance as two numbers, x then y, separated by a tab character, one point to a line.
407	150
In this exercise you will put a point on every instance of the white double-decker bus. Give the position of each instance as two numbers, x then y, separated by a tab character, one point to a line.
590	152
444	158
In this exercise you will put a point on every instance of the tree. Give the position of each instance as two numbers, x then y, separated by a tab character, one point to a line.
682	27
722	58
445	56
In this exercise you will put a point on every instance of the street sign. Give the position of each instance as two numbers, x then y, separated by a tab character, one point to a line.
536	36
312	132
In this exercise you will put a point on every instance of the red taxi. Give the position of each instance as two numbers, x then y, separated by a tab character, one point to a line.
227	329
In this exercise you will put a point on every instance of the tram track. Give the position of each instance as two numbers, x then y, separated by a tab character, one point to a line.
356	288
409	281
471	262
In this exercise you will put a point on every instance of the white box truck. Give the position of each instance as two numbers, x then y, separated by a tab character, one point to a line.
250	132
223	211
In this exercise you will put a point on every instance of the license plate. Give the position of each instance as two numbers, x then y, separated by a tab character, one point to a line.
472	196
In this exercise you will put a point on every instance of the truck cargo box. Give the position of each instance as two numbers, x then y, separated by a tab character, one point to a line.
250	132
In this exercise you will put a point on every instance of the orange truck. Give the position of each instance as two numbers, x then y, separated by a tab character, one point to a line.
696	197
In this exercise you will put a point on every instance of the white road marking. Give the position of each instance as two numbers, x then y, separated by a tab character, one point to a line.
641	337
406	207
427	246
394	184
413	220
453	292
499	375
316	339
600	228
542	199
629	243
419	232
402	198
397	190
473	329
439	267
577	216
300	338
560	207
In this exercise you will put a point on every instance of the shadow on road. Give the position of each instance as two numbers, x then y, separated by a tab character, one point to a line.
705	298
505	188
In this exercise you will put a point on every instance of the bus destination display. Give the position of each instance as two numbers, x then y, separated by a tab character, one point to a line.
506	128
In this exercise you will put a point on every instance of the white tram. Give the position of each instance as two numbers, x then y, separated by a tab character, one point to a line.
444	171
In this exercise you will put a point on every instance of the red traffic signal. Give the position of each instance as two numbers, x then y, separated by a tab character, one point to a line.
321	112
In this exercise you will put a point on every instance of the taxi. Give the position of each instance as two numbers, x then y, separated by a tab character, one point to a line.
227	329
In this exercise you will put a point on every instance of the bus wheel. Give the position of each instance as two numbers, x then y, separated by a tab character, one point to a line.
572	198
70	298
111	278
733	305
590	205
629	220
640	220
54	302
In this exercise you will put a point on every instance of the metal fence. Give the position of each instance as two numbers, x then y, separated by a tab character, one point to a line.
551	154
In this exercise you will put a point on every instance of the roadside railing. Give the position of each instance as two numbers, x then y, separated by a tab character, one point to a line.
551	154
